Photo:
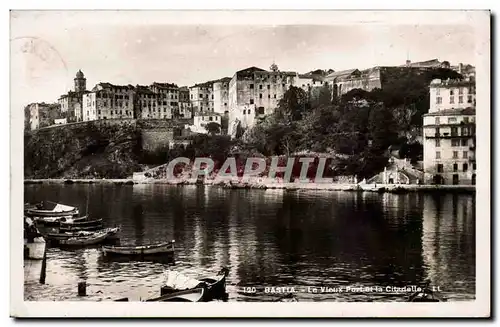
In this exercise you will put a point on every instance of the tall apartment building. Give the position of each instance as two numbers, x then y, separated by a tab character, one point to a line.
185	110
202	97
71	102
221	95
108	101
450	133
255	92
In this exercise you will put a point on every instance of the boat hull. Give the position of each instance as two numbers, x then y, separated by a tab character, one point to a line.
194	295
139	251
86	240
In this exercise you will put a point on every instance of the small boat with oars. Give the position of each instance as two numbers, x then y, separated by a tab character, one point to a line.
215	286
93	239
193	295
166	248
50	209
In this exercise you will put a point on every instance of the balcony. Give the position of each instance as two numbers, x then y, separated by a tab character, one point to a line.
445	135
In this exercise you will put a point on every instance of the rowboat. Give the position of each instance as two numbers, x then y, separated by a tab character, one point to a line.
215	287
95	238
55	221
142	250
194	295
80	228
81	223
51	209
66	235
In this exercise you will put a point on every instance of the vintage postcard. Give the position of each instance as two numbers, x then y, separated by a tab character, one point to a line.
332	163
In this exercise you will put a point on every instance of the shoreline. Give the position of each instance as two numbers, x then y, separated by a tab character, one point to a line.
292	186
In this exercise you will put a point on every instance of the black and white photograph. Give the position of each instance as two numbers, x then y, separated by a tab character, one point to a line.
333	163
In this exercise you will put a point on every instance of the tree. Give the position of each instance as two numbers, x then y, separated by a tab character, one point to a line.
293	105
213	128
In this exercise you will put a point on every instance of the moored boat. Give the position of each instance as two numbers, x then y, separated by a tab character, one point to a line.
193	295
56	221
65	235
51	209
141	250
93	239
215	287
84	225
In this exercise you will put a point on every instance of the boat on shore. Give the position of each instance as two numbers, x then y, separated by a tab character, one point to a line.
50	209
192	295
215	287
141	250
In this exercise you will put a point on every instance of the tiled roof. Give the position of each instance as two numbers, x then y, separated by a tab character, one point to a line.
342	73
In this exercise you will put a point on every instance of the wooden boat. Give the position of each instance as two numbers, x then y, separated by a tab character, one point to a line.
80	223
215	287
142	250
194	295
93	228
51	209
93	239
66	235
56	221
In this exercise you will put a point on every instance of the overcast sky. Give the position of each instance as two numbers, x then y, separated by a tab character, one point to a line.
46	52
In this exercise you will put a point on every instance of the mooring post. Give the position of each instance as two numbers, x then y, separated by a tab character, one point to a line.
43	272
82	289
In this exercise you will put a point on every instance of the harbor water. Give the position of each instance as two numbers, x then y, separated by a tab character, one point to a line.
348	246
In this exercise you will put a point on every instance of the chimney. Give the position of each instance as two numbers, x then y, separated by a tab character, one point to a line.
460	68
408	62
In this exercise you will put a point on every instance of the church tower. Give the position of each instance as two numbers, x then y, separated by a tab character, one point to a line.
80	82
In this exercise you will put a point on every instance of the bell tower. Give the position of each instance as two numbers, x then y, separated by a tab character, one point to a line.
80	82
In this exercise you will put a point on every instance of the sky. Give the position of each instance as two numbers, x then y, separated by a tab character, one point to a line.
48	48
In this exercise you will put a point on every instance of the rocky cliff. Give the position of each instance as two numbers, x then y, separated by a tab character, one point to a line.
91	150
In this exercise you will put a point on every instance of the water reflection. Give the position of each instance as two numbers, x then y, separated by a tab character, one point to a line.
269	238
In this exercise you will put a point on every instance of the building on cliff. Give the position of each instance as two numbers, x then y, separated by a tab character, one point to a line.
185	110
202	97
71	102
255	92
108	101
221	95
450	133
42	114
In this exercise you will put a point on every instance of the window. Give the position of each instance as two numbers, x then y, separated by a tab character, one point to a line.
211	118
438	143
464	142
260	87
437	131
437	120
249	111
473	166
451	92
455	154
466	154
460	90
465	167
466	120
452	99
455	167
225	103
268	86
460	99
469	99
275	96
260	96
454	131
269	96
244	112
99	112
251	86
440	168
455	142
283	84
251	101
439	100
438	91
260	110
438	155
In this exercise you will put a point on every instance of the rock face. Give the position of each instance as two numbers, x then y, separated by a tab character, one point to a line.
92	150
